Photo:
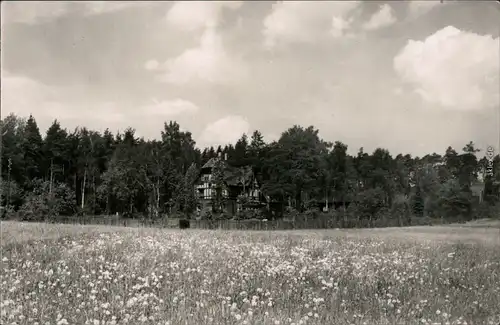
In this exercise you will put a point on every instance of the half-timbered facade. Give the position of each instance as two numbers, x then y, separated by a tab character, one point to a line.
237	182
205	185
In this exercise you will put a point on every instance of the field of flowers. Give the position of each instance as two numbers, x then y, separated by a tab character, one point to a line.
62	274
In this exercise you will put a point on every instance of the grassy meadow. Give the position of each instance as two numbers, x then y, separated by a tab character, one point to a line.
68	274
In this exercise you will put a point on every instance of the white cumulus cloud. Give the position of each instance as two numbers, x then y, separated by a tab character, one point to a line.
453	68
208	62
305	21
225	130
382	18
196	15
151	65
24	96
418	8
102	7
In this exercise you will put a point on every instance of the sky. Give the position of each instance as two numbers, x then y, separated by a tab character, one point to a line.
412	77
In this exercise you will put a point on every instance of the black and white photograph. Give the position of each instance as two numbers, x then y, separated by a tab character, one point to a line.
250	162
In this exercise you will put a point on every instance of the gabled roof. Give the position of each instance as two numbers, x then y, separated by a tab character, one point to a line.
210	163
233	175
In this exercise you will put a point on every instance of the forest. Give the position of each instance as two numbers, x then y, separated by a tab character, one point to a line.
85	172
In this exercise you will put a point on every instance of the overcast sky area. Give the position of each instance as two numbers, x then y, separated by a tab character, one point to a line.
412	77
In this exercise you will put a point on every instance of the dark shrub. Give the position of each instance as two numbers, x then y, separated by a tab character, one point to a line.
184	224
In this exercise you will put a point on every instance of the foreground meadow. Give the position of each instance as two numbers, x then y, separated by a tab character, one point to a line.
62	274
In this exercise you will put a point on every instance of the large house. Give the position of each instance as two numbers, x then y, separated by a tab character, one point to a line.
237	182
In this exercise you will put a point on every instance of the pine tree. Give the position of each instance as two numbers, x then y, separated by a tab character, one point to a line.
32	147
54	151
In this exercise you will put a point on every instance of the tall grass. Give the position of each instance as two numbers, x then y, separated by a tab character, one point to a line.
106	275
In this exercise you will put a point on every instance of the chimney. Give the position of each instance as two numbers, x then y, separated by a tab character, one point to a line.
225	156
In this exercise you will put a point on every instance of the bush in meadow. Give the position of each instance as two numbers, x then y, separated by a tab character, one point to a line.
184	224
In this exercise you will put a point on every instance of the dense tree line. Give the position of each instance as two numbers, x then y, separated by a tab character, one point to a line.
97	173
